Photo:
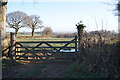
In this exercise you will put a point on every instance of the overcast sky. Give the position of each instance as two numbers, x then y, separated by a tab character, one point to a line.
62	15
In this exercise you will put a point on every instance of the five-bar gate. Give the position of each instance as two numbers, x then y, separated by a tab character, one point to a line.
45	50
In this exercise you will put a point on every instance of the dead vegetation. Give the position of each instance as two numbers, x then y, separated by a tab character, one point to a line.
100	55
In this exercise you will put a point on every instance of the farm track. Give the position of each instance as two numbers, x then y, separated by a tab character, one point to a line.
52	70
12	72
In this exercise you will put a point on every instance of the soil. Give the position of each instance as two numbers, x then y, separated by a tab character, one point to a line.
52	70
13	71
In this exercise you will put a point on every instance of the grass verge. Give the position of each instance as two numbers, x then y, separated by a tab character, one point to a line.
81	71
7	63
32	72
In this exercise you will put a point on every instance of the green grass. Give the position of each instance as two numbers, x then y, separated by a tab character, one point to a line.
7	63
32	72
81	71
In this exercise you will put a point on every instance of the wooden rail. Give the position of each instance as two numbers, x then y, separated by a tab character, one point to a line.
5	52
45	42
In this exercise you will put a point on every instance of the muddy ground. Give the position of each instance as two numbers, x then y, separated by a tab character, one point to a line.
51	70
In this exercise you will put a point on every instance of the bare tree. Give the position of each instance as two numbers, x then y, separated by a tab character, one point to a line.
16	20
34	22
47	31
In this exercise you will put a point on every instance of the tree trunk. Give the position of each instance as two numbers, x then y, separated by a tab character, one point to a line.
33	30
119	23
3	22
16	32
3	42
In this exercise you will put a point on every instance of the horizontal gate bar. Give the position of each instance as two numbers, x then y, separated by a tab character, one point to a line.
65	59
44	47
44	56
71	54
24	51
46	42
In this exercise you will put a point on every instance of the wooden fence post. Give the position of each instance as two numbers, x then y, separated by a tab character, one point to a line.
80	27
12	45
75	44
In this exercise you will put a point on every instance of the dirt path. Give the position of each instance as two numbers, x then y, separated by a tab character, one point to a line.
14	71
52	70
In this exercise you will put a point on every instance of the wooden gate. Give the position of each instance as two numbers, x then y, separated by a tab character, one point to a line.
45	50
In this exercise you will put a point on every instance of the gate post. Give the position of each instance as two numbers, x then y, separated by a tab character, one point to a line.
12	45
80	27
75	44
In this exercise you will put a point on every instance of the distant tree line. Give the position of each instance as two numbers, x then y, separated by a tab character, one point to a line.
18	20
103	33
65	35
